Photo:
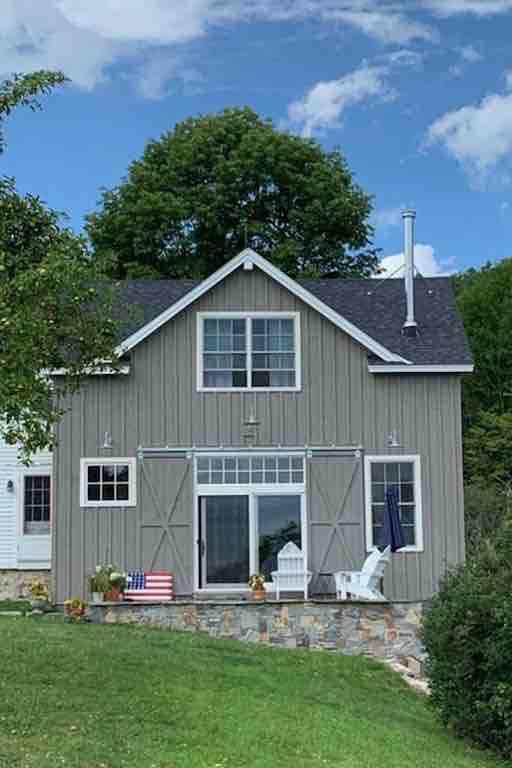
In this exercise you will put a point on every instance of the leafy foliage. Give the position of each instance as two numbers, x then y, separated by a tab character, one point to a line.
23	90
46	284
485	508
468	638
484	298
215	184
488	450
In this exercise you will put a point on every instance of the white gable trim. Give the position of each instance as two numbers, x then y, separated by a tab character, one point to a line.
421	368
247	259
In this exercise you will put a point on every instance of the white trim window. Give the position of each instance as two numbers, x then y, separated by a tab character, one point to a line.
248	508
404	473
106	482
36	504
248	350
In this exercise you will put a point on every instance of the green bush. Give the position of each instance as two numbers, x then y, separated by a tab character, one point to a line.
484	514
467	633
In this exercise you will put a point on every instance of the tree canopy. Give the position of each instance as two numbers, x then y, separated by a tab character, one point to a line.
48	287
216	184
484	298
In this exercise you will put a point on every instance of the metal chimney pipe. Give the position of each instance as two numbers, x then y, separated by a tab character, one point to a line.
410	326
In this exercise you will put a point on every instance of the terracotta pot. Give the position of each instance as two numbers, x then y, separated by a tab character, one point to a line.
112	595
258	594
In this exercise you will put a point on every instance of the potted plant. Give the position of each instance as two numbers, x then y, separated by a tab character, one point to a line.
98	584
39	595
75	609
116	584
257	584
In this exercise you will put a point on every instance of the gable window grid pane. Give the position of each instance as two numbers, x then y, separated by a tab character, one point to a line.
273	353
224	353
400	474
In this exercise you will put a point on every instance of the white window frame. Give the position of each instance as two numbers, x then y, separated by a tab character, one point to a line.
100	461
414	459
248	317
252	490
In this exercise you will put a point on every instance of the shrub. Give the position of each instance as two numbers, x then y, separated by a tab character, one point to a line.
484	514
468	637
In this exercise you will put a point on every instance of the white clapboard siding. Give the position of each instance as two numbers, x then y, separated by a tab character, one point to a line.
8	528
13	549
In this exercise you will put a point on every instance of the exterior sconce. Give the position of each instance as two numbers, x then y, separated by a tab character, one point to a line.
10	486
107	441
393	440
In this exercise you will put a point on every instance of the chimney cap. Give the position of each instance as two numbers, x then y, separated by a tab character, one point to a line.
409	213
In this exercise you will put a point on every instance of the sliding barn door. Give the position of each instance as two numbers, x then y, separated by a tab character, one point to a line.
335	512
166	525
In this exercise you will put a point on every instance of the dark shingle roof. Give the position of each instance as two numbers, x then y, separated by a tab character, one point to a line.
377	307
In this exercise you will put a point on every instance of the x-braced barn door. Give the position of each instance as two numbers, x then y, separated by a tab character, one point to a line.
166	528
335	512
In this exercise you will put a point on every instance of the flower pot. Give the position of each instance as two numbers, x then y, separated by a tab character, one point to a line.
258	594
113	595
97	597
39	605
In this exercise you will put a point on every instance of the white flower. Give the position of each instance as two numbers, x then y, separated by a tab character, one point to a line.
98	569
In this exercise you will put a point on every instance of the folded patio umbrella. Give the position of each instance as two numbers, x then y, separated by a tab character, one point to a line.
392	533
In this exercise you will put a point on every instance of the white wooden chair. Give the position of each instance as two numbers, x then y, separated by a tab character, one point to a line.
292	574
364	584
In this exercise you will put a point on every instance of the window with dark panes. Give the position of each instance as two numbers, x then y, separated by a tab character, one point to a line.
36	505
108	482
401	475
224	353
273	352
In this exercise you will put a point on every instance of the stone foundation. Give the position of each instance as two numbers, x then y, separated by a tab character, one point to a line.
15	584
381	630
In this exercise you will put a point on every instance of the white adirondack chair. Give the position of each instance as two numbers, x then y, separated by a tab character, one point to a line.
292	574
364	584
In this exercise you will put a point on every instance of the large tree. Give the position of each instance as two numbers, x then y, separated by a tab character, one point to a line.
54	307
484	298
217	183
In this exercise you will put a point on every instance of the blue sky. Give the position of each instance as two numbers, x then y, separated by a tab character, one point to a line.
417	94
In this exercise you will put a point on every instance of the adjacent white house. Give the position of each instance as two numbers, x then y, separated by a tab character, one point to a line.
25	518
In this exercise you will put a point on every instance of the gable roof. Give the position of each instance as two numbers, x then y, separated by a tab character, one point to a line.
371	311
247	259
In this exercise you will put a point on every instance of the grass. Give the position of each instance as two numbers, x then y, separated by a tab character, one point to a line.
87	696
14	605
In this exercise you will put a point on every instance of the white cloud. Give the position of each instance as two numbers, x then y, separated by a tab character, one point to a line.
86	37
324	104
476	7
385	24
424	258
467	55
479	135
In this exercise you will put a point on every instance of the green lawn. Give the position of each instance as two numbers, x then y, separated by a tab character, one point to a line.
127	697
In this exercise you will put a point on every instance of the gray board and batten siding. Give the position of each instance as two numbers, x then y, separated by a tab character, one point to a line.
340	404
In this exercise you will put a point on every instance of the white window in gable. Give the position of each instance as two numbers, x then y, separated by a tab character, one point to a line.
245	470
253	351
403	473
107	482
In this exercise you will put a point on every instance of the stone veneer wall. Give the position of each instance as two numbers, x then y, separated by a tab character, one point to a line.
382	630
14	584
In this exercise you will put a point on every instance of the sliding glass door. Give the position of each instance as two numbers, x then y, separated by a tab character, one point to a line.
225	541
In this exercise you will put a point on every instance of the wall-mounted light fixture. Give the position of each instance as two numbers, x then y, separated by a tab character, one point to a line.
10	486
107	440
393	440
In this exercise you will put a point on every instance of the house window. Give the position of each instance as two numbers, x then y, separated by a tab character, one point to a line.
108	482
249	351
403	473
242	470
249	507
36	505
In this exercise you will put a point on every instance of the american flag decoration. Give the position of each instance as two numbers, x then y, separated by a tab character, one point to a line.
149	587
